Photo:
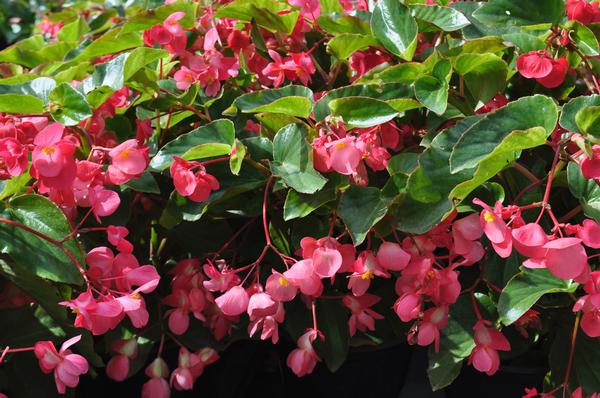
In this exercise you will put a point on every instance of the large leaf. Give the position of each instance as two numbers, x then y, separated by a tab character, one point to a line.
20	103
298	205
40	88
521	13
525	289
477	142
291	160
344	45
213	139
395	28
570	110
290	100
362	111
445	18
587	191
69	105
360	209
39	256
271	15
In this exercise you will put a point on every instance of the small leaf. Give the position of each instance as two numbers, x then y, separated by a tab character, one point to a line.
291	160
360	209
238	153
144	183
298	205
20	104
362	112
485	74
525	289
571	108
432	93
445	18
344	45
69	105
395	28
289	100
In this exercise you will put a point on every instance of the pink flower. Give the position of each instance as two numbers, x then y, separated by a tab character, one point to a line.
184	78
589	234
104	202
267	322
52	160
198	185
465	234
590	305
590	166
278	287
344	155
220	280
303	359
556	77
310	9
565	258
260	305
392	257
128	161
185	375
583	11
303	276
157	386
117	367
366	268
67	366
14	156
488	341
116	236
95	316
529	240
534	64
495	228
434	320
363	317
233	302
169	35
408	306
298	66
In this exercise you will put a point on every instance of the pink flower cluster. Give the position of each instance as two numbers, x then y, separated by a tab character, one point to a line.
66	366
540	65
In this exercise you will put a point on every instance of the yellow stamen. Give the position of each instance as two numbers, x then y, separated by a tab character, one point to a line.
367	275
488	216
48	150
136	296
124	154
283	281
341	145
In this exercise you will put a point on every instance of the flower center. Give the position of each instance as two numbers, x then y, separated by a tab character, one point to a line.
283	281
488	216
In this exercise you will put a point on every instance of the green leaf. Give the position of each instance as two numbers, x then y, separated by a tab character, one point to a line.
109	74
584	38
344	45
485	74
213	139
521	13
477	142
403	73
73	31
20	104
445	18
342	23
39	256
148	18
588	120
395	28
290	100
114	41
144	183
291	160
69	105
362	112
525	289
238	153
141	57
332	319
298	205
585	190
24	52
266	13
14	186
570	110
504	154
380	92
361	208
456	343
40	87
432	93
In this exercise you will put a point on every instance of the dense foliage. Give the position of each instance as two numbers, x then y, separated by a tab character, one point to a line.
338	172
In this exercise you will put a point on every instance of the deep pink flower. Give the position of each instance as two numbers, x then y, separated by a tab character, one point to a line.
529	240
95	316
280	288
582	11
465	235
220	280
185	375
495	228
434	320
363	317
267	323
556	77
303	359
488	341
590	305
392	257
303	275
13	156
117	367
67	366
565	258
344	156
116	236
310	9
128	161
157	386
408	306
366	268
52	160
197	185
233	302
534	64
590	166
589	233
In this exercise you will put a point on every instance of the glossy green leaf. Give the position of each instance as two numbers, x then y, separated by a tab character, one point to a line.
588	120
148	18
298	205
213	139
40	87
69	106
362	111
432	93
584	38
291	161
361	208
521	13
342	23
570	110
525	289
445	18
585	190
20	104
238	153
144	183
42	258
139	58
289	100
267	14
344	45
485	74
482	138
395	28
